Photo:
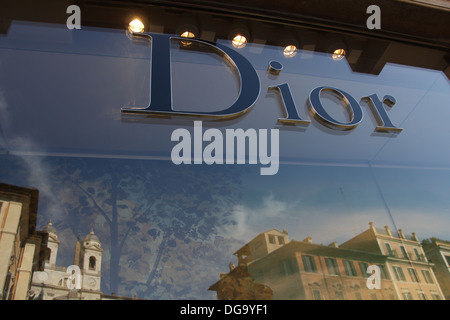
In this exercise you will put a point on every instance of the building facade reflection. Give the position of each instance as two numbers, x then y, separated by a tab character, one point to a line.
22	248
308	271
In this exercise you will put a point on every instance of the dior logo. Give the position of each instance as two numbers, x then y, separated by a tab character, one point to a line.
161	92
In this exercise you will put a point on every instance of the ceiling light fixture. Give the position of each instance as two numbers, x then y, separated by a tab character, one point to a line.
290	51
239	41
338	54
136	25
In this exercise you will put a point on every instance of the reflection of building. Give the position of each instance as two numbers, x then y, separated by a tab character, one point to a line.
406	263
20	244
80	281
438	252
28	267
304	270
239	284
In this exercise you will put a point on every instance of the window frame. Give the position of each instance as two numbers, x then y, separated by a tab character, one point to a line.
427	276
332	265
400	275
350	269
414	275
311	263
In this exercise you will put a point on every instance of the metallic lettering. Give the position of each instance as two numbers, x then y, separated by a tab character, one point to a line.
376	105
161	82
289	105
351	105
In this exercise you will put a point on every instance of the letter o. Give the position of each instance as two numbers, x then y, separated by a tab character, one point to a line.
318	111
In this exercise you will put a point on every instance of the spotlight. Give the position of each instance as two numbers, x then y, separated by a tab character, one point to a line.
289	43
187	29
338	54
136	25
239	41
239	34
337	48
290	51
187	34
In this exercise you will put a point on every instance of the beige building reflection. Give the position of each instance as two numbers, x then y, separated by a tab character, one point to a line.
28	269
438	252
21	246
308	271
78	281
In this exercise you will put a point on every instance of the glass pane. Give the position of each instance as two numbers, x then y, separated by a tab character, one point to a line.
283	166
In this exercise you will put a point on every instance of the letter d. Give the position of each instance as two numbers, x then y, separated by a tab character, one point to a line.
161	81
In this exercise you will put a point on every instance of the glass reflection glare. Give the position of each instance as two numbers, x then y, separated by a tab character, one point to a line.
338	54
290	51
187	34
239	41
136	25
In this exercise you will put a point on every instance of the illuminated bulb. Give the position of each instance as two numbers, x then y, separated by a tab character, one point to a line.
187	34
239	41
338	54
290	51
136	26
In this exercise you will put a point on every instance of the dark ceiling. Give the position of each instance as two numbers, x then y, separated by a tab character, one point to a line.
411	33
